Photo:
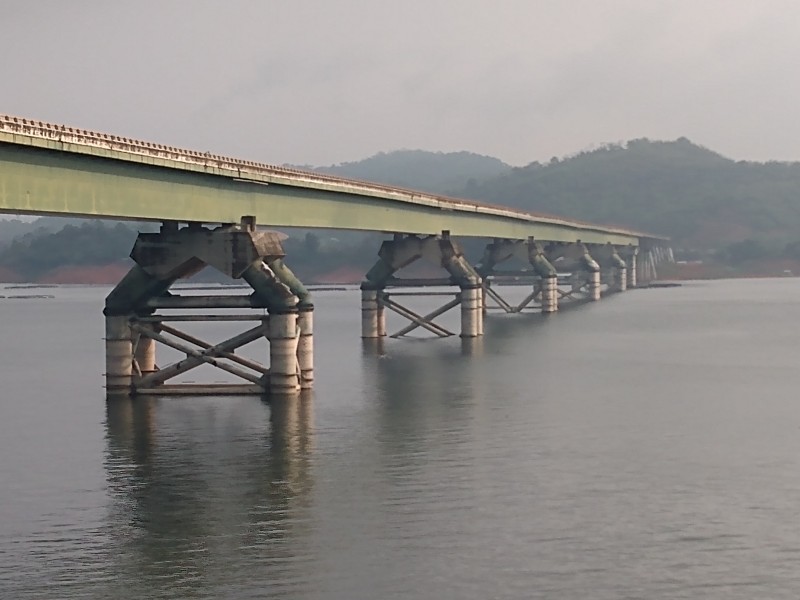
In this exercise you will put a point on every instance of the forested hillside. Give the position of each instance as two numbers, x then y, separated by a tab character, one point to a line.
697	197
436	172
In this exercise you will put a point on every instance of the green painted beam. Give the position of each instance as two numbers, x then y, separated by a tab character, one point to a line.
50	176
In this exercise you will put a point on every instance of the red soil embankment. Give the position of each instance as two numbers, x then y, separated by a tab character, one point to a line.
99	274
340	276
761	268
9	276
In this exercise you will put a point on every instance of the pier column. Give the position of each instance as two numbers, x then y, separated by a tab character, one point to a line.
373	314
629	256
119	354
305	347
632	271
622	279
593	285
471	311
550	294
305	320
284	338
145	353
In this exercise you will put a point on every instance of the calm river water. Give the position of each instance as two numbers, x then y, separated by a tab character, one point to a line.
647	446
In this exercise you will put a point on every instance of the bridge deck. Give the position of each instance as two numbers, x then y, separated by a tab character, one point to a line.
58	170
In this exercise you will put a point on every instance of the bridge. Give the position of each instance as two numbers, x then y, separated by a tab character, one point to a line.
210	207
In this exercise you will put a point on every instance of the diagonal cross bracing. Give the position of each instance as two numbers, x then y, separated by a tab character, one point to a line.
195	358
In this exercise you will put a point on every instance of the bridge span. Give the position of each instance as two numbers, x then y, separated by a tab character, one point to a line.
210	207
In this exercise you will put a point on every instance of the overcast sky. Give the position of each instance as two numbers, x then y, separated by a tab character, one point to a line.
327	81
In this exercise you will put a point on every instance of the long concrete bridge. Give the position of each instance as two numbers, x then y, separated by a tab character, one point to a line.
210	206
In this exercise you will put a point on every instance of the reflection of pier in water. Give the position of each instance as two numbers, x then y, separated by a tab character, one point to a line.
424	399
201	491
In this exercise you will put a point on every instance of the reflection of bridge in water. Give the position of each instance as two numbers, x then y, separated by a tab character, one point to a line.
55	170
189	484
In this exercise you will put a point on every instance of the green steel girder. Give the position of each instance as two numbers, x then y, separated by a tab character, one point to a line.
48	177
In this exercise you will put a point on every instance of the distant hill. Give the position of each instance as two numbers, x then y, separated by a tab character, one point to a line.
434	172
698	197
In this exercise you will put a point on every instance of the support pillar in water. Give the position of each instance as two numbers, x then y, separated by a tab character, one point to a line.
614	268
284	338
402	251
584	280
471	312
593	285
629	254
161	258
545	284
144	354
119	354
373	314
305	321
550	294
305	348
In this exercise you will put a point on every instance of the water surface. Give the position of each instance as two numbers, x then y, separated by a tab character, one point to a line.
647	446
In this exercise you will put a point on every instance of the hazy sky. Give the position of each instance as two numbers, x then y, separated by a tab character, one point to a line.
326	81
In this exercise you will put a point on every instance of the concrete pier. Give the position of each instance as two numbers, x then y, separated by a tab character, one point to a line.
400	252
582	273
613	267
135	323
471	312
284	339
550	294
538	270
373	315
593	285
305	347
629	255
119	351
144	354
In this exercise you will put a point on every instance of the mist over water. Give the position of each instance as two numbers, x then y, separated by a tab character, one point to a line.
646	446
